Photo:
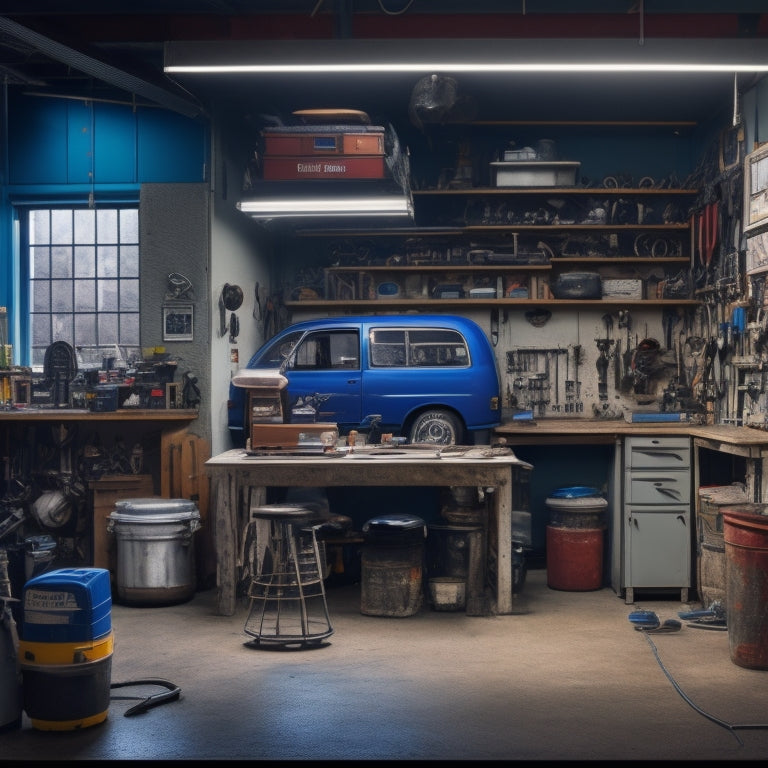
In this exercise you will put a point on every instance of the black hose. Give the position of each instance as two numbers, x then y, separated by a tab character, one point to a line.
153	700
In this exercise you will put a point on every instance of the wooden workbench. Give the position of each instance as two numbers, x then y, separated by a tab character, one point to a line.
751	444
235	475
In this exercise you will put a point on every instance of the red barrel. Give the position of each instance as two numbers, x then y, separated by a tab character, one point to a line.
746	568
575	536
574	558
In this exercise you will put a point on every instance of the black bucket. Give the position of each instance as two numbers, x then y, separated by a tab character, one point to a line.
392	565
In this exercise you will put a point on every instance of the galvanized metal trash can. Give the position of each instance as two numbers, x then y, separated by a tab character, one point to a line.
575	539
392	566
155	550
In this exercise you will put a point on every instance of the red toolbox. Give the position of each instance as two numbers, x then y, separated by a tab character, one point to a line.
324	167
307	140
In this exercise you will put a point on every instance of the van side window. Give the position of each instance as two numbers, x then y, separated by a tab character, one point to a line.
328	350
435	347
387	348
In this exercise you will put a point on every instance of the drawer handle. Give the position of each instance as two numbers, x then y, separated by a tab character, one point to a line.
665	454
667	491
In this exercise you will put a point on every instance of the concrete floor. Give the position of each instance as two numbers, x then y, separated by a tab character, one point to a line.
566	677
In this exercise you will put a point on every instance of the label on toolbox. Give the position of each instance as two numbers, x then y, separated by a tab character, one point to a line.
323	144
340	167
45	600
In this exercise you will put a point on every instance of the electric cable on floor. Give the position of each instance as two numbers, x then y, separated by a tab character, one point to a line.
732	727
153	700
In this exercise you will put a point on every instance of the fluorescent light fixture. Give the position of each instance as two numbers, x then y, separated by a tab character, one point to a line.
492	56
301	207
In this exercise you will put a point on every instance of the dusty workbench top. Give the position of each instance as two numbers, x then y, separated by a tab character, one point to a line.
574	431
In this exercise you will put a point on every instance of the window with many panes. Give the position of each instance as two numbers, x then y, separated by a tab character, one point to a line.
83	278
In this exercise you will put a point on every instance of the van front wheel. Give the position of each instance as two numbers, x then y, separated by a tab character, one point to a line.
439	427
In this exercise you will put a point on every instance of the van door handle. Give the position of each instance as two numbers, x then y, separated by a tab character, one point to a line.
352	381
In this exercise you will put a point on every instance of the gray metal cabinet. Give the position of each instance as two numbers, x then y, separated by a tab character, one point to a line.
656	515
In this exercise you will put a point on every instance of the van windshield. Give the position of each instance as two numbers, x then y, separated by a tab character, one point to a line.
275	354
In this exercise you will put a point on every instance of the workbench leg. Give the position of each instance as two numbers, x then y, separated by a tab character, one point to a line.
502	498
476	603
225	516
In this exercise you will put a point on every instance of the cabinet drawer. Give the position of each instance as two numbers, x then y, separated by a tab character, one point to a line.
666	453
658	487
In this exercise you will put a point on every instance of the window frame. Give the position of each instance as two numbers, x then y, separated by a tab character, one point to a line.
32	351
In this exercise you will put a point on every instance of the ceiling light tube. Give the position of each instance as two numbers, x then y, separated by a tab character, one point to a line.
321	207
492	55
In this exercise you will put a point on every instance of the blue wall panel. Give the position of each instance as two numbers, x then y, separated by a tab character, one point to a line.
62	142
79	142
115	144
38	141
170	147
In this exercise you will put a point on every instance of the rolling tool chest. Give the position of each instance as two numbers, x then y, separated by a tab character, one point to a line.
656	515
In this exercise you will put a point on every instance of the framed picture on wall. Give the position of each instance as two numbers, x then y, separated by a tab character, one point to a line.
178	322
756	188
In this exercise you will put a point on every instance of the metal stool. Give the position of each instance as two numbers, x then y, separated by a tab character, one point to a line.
287	593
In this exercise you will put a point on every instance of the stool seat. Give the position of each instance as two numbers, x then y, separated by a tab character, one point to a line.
288	603
290	513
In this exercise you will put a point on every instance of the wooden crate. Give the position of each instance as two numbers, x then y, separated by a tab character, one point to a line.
104	493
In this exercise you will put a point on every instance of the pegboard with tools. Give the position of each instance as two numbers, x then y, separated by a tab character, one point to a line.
541	379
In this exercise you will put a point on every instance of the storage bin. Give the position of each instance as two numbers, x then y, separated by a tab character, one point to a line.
392	563
155	552
561	173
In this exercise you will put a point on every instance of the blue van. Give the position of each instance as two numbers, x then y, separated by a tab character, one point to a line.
429	378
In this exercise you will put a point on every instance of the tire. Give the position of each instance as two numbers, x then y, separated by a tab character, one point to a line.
438	427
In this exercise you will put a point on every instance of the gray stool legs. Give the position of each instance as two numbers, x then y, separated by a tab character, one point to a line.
287	593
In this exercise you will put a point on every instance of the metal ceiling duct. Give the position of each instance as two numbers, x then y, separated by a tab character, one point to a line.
99	69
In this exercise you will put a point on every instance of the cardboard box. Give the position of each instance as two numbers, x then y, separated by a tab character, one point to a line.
622	289
105	493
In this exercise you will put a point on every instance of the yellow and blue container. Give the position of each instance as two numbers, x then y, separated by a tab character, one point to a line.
65	648
67	605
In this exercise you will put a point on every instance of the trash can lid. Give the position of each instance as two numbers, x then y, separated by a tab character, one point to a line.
574	492
393	523
154	510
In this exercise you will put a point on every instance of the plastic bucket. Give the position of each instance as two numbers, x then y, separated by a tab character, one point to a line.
66	686
155	552
746	551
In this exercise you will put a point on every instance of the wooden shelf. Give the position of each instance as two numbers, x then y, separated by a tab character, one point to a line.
77	414
427	305
581	191
437	200
432	268
576	227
